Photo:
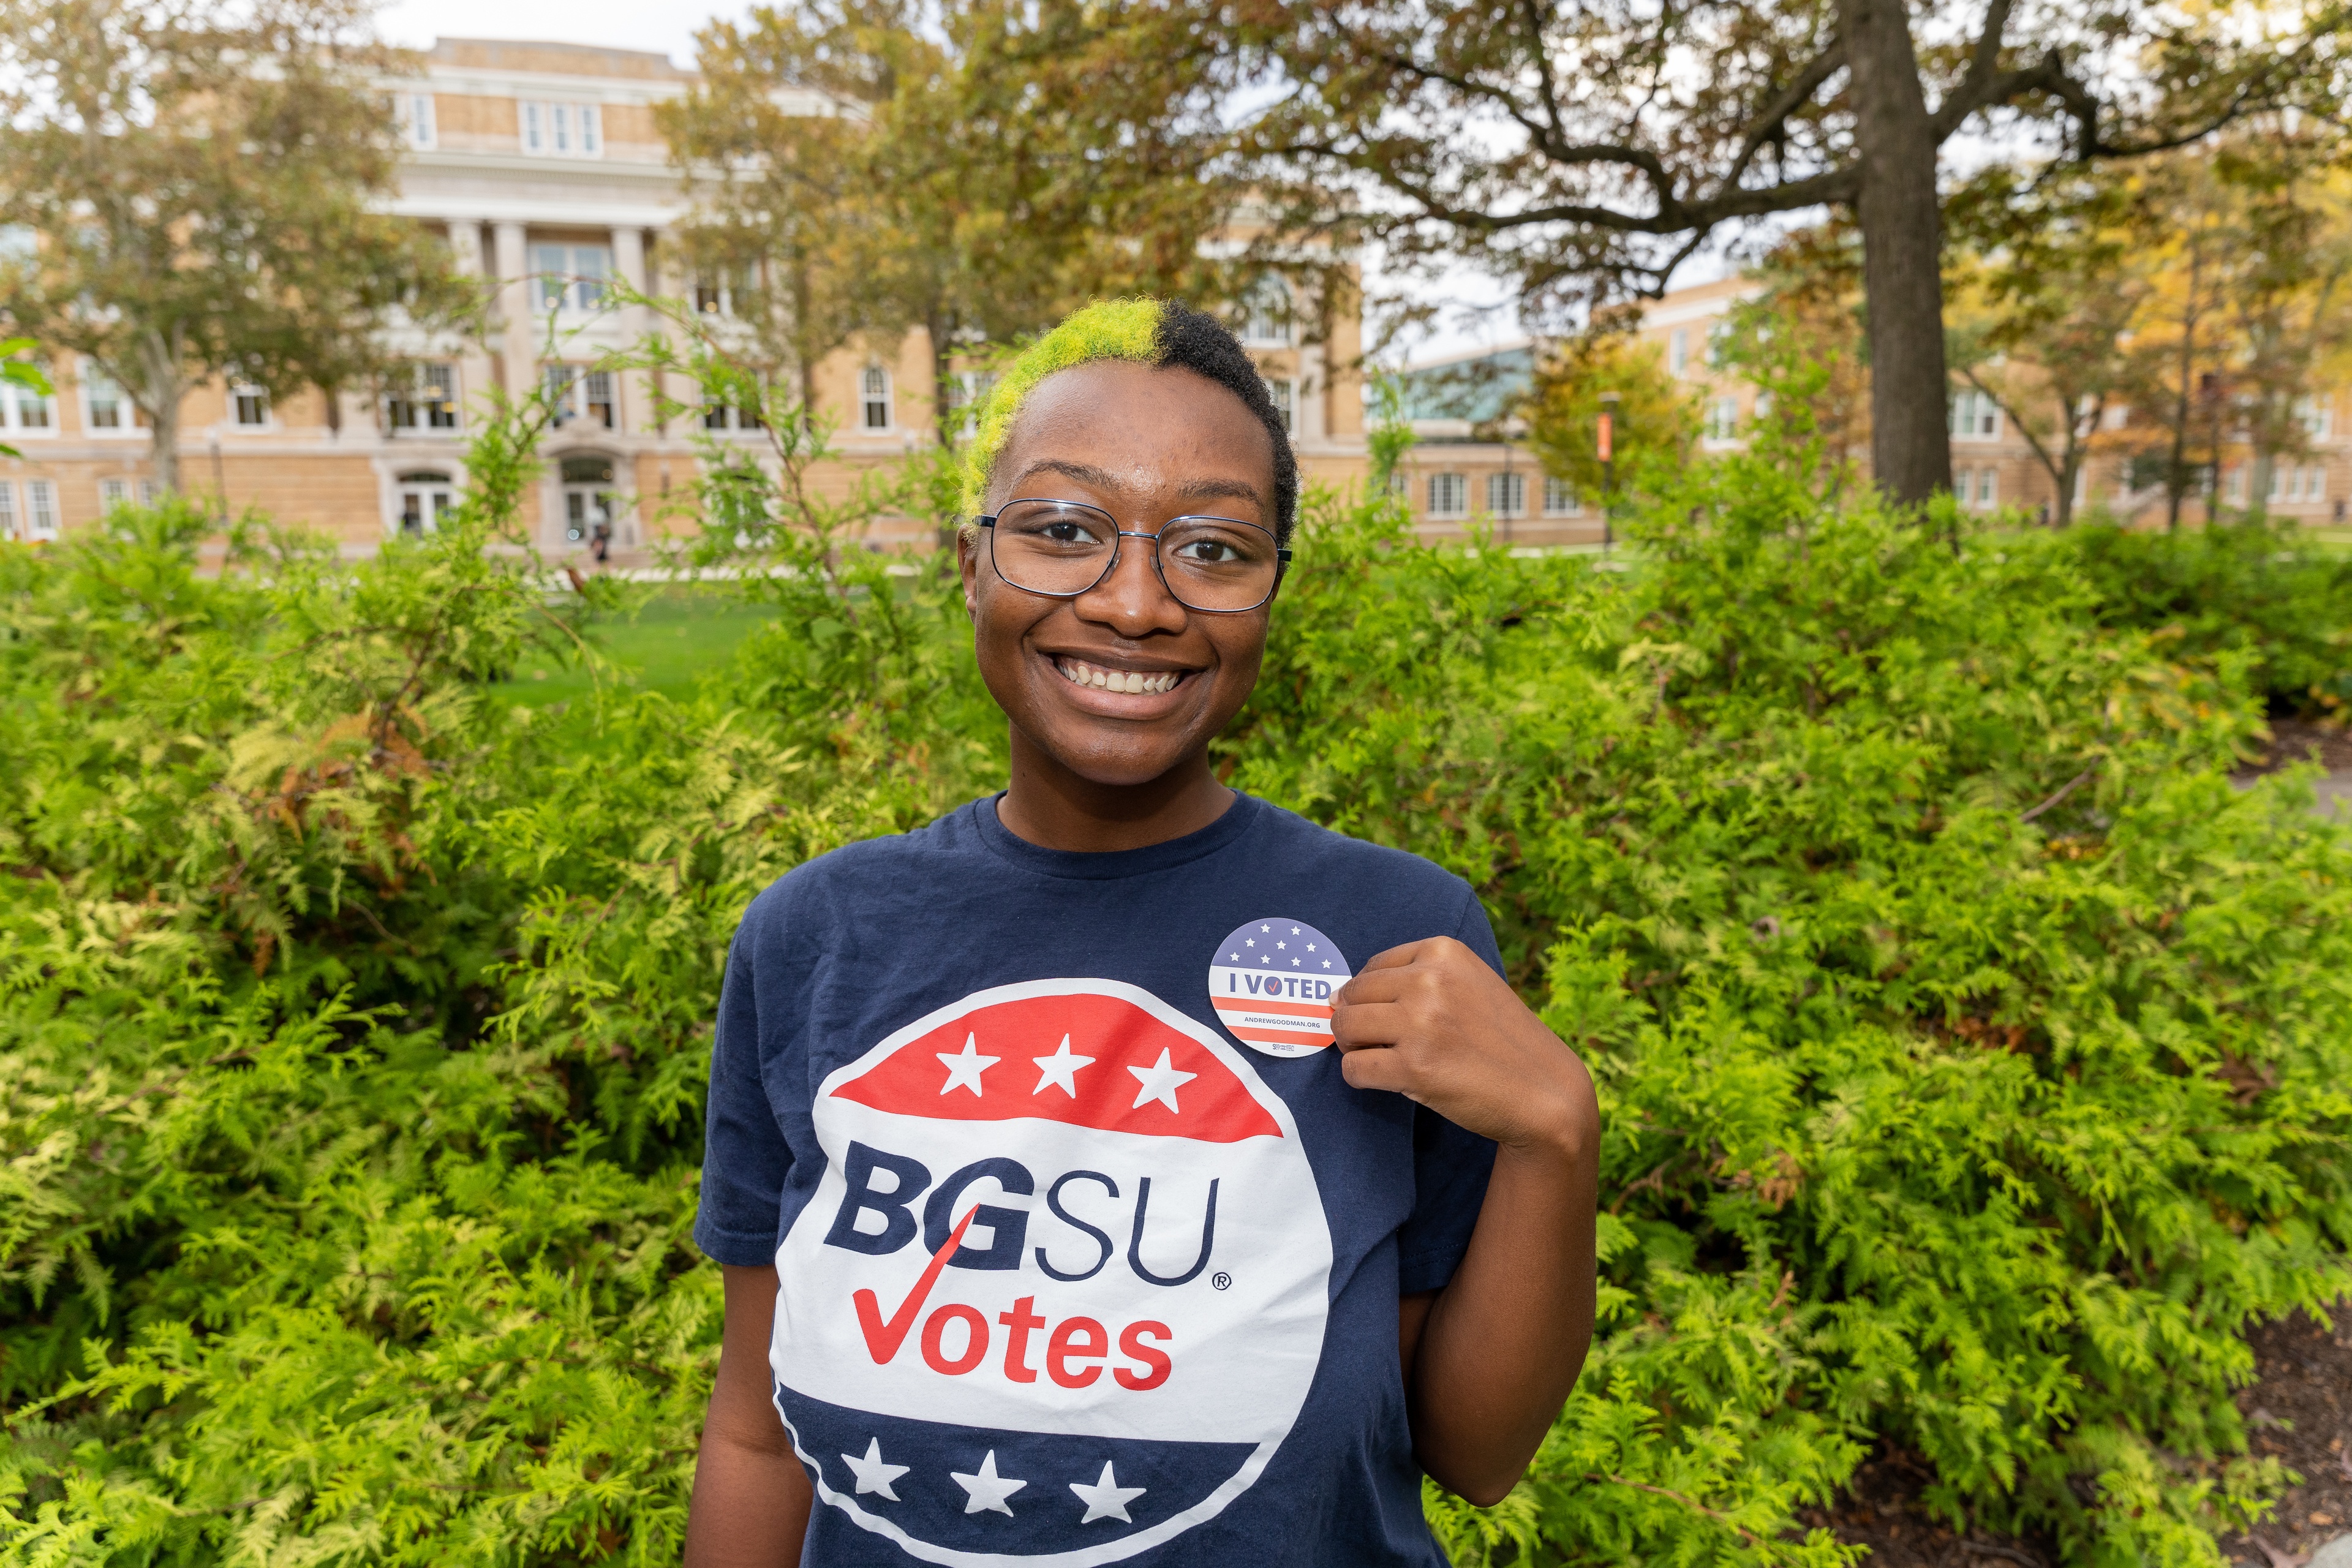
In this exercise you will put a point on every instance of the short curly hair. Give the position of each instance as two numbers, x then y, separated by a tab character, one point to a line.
1158	332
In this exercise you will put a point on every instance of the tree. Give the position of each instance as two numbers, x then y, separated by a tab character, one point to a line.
2047	305
14	372
1587	150
199	175
975	172
1654	417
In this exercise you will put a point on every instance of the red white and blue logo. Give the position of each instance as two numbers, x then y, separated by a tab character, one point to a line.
1061	1291
1273	983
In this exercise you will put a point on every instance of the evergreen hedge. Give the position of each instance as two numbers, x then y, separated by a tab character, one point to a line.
1975	1057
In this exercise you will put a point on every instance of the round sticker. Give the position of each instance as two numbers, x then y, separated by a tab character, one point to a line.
1272	981
1061	1290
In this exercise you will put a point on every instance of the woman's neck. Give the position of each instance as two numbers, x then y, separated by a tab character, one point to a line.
1053	808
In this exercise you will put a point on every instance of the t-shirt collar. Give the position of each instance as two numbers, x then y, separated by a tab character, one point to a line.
1095	866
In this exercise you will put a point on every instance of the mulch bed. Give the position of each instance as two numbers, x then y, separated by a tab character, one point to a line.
2299	1410
2295	740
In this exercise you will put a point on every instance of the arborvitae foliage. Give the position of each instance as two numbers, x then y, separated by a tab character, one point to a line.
1974	1055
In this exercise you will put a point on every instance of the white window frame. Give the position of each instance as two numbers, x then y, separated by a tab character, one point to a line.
429	403
580	395
2316	415
568	279
727	417
1561	499
42	523
876	408
1677	351
1280	391
1507	493
1449	495
559	128
414	112
90	381
150	492
1722	421
7	509
15	401
1973	417
1269	312
112	493
242	393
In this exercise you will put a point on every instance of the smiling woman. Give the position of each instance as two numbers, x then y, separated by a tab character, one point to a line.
1393	1163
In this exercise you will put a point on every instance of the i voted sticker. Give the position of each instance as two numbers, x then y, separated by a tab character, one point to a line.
1273	983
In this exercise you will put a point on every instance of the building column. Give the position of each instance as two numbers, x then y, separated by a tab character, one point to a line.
635	396
475	372
520	338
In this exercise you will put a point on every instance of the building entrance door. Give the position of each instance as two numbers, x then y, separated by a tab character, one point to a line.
424	500
588	498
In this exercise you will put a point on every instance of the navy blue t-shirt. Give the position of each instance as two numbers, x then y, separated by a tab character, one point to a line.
1088	1254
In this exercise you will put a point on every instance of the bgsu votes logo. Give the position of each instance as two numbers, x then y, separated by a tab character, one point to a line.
1061	1290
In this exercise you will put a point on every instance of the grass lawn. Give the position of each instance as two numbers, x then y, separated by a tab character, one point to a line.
681	634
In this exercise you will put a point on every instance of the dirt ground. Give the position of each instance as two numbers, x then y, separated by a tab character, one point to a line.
2299	1409
2294	741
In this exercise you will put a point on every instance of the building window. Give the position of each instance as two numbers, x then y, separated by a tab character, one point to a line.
427	400
24	412
112	493
575	393
1280	392
572	276
40	510
721	293
552	129
1977	489
874	397
426	499
1507	494
1975	417
1678	351
1449	495
727	417
249	405
104	408
1561	498
966	391
150	492
414	111
2296	485
7	508
1266	312
2317	416
1723	419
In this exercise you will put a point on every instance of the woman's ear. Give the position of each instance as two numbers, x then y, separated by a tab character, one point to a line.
968	566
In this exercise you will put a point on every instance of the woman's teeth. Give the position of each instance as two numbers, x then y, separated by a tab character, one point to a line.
1081	673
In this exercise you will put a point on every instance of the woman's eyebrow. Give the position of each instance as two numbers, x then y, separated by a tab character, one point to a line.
1190	490
1211	490
1084	473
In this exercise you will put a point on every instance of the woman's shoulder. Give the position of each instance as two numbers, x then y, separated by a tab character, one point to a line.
1329	855
860	872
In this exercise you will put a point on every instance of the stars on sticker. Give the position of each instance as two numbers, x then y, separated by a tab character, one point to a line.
965	1067
1060	1070
985	1491
873	1475
1293	930
1159	1081
1294	963
1106	1499
1327	963
1265	928
1249	942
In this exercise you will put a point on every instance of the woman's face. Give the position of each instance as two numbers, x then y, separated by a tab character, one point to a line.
1143	444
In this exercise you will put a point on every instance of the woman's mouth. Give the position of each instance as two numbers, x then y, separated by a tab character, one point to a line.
1110	678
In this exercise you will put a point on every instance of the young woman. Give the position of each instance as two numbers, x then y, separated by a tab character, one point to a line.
1122	1168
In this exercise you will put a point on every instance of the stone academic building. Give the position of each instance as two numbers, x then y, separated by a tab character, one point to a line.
541	163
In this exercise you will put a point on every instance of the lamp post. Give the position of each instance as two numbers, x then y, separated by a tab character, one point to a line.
1605	447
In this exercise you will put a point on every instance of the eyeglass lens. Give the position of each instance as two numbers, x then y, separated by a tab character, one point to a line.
1064	548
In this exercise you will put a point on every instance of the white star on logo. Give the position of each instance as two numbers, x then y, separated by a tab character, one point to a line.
1249	942
1265	958
873	1475
1060	1070
987	1490
1327	963
1106	1499
1159	1082
1265	928
1294	963
1280	946
1293	930
965	1067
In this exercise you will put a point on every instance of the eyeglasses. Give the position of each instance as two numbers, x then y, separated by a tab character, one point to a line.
1062	549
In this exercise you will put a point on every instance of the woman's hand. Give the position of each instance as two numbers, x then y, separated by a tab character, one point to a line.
1431	1022
1491	1357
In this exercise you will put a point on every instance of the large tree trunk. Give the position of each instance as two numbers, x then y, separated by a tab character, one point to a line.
159	388
1902	267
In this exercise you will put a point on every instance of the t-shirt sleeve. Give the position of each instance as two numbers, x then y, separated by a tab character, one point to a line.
1450	1166
744	1157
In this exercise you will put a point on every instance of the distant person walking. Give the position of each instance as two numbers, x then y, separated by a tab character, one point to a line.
600	540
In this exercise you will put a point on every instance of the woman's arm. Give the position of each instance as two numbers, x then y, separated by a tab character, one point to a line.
1490	1359
751	1498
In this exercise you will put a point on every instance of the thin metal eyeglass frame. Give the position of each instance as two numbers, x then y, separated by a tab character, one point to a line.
1281	555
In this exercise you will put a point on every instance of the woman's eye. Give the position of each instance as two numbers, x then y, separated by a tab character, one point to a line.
1209	552
1067	533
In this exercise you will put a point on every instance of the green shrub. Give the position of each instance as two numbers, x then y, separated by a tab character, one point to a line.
1974	1057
